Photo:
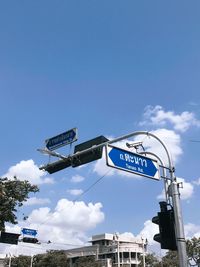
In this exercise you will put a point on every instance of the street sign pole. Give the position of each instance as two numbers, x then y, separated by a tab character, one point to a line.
180	236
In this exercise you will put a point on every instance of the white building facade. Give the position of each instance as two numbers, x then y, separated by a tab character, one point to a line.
112	250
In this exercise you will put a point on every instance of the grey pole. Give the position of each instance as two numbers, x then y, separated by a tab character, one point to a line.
10	260
180	236
118	258
31	261
143	248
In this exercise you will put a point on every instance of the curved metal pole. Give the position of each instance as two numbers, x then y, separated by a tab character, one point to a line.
164	172
180	236
147	134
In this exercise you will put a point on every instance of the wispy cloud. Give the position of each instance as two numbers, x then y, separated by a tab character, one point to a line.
36	201
197	182
75	192
157	116
77	179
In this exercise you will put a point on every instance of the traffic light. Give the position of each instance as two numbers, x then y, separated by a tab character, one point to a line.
91	155
30	240
9	238
57	165
165	220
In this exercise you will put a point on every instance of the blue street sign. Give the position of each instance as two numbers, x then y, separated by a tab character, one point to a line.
26	231
132	162
62	139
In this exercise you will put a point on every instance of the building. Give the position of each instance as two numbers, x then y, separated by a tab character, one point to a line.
111	250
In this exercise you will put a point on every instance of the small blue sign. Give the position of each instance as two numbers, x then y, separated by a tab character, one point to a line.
132	162
27	231
62	139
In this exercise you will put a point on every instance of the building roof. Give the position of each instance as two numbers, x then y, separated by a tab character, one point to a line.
120	238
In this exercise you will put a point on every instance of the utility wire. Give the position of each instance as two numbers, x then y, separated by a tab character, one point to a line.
91	186
83	193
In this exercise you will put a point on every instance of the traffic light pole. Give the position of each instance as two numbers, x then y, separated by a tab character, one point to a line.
180	236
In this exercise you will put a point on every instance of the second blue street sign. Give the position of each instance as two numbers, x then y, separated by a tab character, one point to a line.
26	231
62	139
132	162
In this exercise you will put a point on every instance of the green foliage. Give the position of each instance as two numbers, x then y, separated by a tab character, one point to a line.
193	251
170	259
20	261
150	261
51	259
13	193
86	262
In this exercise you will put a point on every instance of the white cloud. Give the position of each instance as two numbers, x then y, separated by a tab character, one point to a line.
187	190
149	230
171	140
192	230
197	182
82	216
158	117
75	192
66	226
36	201
28	170
69	221
127	235
77	179
185	193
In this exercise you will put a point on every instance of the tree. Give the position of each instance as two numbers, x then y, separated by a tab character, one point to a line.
193	251
150	260
170	259
13	193
51	259
88	261
20	261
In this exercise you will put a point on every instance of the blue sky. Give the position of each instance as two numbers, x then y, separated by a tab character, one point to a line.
108	68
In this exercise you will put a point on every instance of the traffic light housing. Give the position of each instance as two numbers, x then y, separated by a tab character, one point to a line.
30	240
9	238
91	155
57	165
166	223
